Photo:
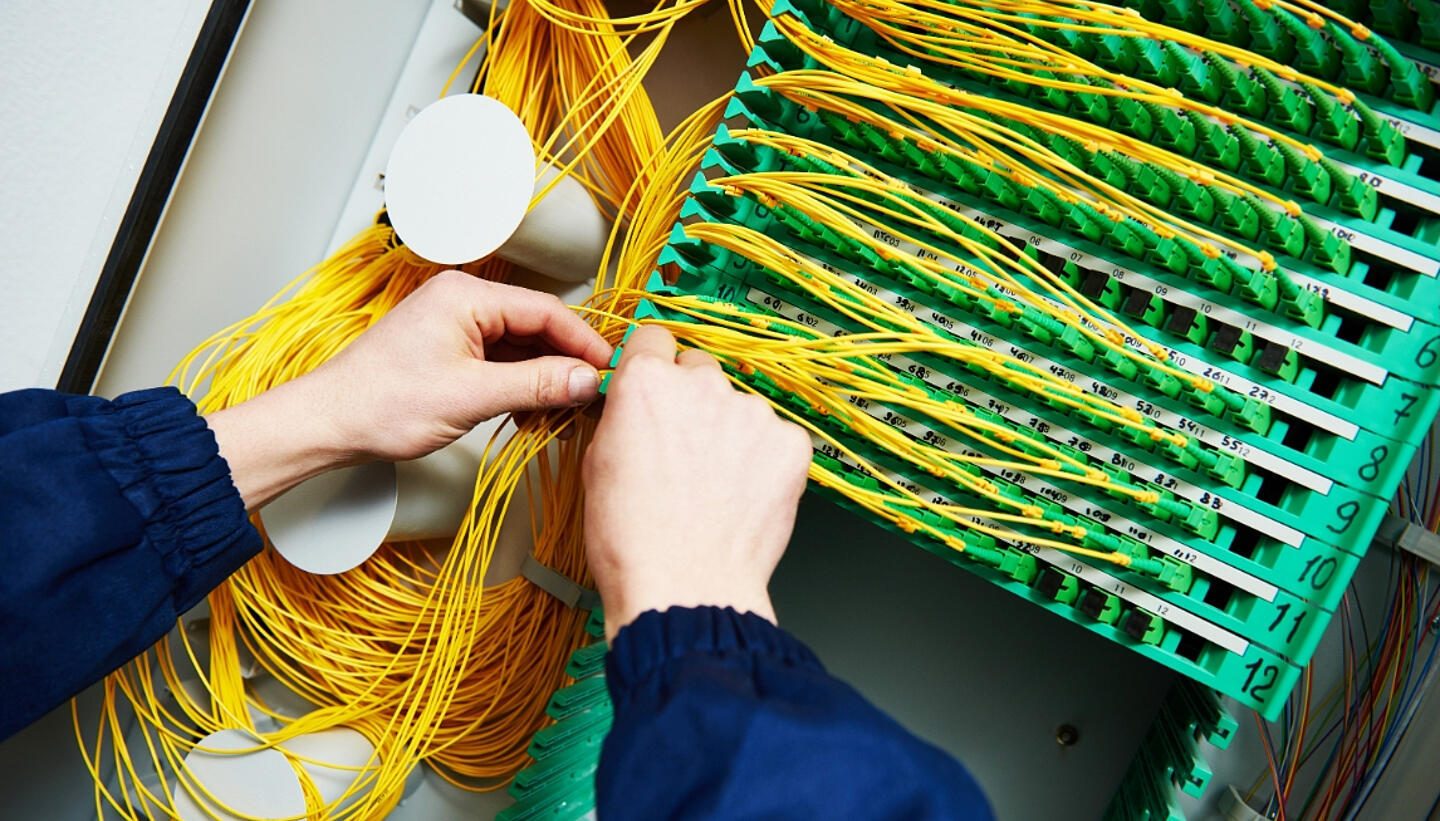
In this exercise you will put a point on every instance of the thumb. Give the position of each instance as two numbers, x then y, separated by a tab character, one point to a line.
539	383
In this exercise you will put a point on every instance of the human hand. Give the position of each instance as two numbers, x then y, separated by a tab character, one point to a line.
457	351
691	487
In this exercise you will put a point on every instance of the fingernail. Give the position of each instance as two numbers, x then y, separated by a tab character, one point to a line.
584	384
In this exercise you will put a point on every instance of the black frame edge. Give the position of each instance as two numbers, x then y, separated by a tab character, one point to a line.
152	191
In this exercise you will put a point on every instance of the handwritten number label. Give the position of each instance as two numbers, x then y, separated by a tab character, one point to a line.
1428	353
1260	678
1346	514
1370	471
1404	411
1280	613
1324	571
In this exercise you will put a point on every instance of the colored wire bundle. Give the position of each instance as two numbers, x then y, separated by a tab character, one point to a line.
1342	743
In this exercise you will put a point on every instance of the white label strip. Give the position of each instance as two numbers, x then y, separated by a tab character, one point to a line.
1319	418
1160	415
1380	248
1098	578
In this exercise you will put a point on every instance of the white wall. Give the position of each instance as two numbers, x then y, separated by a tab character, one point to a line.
85	86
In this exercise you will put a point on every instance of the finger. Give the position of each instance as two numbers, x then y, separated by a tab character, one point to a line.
508	350
520	312
695	358
537	384
649	340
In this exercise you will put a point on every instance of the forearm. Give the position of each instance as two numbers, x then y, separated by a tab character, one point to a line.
277	440
118	516
722	715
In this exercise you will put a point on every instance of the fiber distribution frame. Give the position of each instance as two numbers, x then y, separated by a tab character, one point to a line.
1133	312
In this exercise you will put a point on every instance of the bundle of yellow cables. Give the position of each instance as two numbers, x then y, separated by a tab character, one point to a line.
411	649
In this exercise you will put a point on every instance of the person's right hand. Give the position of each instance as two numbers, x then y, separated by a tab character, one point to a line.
691	487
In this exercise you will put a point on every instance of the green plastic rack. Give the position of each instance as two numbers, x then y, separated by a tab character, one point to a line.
1325	390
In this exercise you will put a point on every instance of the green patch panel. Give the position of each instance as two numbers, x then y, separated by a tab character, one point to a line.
1326	370
1287	621
560	785
1169	756
1230	440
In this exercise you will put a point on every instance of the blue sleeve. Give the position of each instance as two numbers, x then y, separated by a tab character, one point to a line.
720	715
115	517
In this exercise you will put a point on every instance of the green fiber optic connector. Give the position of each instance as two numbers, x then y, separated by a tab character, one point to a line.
574	730
1187	323
1360	69
1383	141
1251	285
1306	177
1324	248
1223	23
1237	214
1172	129
1176	575
1113	52
1020	566
1209	270
1163	382
1288	108
1314	55
1282	232
1248	413
1300	303
1218	146
1268	37
1408	84
1427	22
560	768
580	696
1201	521
1241	93
1189	198
1334	124
1392	17
1132	117
1354	196
1099	605
1194	72
1260	161
1086	221
1057	585
586	661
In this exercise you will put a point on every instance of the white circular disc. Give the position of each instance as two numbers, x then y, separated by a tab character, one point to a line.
337	757
259	784
335	521
460	179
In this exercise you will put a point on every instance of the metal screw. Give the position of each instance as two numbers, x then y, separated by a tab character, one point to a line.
1066	735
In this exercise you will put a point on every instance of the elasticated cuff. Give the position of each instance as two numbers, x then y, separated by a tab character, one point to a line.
166	462
655	639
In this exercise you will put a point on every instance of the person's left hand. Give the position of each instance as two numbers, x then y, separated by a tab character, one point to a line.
456	352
